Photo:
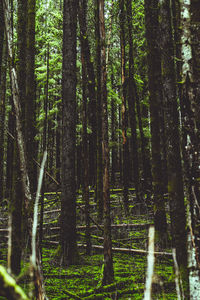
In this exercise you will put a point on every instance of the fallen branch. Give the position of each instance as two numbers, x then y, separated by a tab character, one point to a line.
127	250
112	226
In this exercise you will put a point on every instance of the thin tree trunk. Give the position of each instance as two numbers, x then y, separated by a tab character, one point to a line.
85	160
3	74
125	150
108	274
113	134
99	180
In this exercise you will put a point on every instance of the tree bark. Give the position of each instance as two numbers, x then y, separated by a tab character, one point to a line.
85	159
124	110
99	180
174	167
108	274
91	85
3	73
68	199
155	91
132	98
30	107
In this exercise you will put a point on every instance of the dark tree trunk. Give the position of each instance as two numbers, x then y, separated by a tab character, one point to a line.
155	90
99	180
2	28
30	130
16	215
125	148
21	51
58	146
132	95
174	167
85	156
91	84
68	199
3	73
108	274
113	134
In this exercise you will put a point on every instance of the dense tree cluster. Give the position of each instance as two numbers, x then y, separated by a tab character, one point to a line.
111	90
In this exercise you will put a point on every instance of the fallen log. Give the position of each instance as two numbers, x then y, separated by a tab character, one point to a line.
144	225
127	250
115	249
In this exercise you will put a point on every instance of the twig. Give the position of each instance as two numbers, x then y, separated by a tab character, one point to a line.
150	265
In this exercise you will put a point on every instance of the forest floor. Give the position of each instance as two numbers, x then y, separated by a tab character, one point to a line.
83	281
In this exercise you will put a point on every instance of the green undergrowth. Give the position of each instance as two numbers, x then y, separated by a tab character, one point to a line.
83	281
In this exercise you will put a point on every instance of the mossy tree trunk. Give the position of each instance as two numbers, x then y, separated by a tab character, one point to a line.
155	98
172	127
68	236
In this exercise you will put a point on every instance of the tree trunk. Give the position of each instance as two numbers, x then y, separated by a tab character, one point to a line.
174	167
132	95
99	180
125	150
16	215
113	134
68	199
30	108
155	90
85	156
91	84
108	274
3	73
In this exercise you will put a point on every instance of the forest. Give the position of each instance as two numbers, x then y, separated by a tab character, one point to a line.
99	149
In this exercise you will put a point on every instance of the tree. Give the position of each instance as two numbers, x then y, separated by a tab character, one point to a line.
68	198
99	177
174	167
108	274
155	102
91	84
132	98
30	107
85	157
3	69
125	147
